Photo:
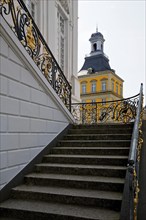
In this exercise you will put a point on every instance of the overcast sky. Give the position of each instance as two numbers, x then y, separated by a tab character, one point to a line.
122	24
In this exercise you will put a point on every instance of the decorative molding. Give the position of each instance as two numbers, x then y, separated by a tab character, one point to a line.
65	5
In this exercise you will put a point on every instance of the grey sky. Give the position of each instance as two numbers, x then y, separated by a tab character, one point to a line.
122	24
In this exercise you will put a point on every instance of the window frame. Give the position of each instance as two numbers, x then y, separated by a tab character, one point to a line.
117	88
103	86
84	88
62	38
93	86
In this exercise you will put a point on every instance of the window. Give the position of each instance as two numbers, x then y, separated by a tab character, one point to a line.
61	40
94	47
62	53
112	85
93	100
103	101
93	87
83	88
121	90
116	88
103	86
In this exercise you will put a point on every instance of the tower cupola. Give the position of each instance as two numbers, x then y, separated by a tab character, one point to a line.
97	42
96	59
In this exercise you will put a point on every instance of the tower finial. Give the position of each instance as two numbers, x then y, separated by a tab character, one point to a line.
96	27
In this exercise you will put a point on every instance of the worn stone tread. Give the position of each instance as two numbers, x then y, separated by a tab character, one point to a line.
100	130
77	177
94	135
70	192
86	156
83	212
7	218
82	166
89	141
94	148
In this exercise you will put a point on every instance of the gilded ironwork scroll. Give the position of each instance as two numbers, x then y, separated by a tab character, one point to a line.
20	21
110	111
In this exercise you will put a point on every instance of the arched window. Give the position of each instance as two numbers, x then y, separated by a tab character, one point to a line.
113	84
117	88
121	90
83	88
93	86
95	47
103	85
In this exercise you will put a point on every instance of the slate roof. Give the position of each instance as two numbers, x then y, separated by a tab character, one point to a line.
97	63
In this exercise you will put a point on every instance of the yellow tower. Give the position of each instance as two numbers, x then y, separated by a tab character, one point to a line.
98	82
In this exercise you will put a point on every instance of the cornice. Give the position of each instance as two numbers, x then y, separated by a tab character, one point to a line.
98	93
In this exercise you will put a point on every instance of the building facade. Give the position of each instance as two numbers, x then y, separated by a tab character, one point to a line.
58	23
32	113
98	82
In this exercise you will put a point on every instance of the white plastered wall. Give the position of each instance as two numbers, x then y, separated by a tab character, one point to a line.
31	114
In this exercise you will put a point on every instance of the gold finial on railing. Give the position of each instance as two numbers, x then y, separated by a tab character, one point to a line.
29	36
46	64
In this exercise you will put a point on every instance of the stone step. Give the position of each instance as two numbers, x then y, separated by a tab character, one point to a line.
86	159
81	179
7	218
98	137
76	181
77	169
105	126
113	130
91	150
94	143
105	199
34	210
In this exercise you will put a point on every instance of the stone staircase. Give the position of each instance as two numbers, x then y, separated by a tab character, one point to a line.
81	179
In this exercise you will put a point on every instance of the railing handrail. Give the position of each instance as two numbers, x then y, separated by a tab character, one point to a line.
135	134
121	110
131	187
43	40
118	100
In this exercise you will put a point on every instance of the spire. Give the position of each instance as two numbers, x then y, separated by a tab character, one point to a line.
96	27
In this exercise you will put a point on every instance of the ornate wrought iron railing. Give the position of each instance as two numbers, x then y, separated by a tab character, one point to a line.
123	110
21	22
131	189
